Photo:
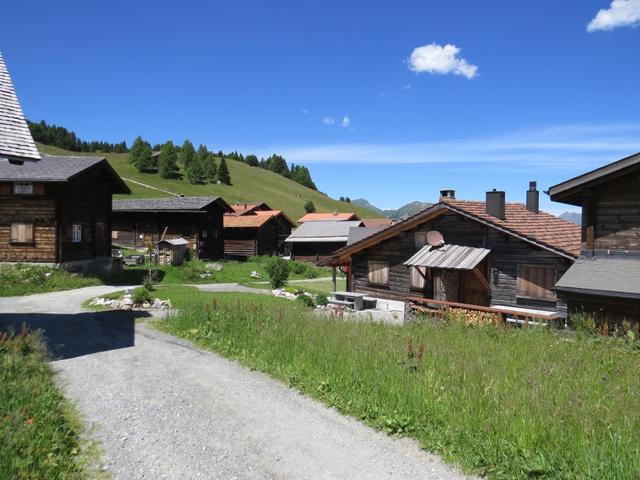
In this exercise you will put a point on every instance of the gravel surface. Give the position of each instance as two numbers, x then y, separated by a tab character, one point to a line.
164	409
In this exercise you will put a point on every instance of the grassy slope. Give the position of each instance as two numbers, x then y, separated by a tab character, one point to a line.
250	184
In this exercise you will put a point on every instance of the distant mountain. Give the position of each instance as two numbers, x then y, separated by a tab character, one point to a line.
363	202
572	217
402	212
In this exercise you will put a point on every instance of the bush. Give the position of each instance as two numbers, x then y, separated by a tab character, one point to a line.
141	295
278	271
299	268
306	300
322	299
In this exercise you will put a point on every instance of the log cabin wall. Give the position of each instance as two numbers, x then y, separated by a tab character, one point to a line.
614	211
39	210
313	252
507	253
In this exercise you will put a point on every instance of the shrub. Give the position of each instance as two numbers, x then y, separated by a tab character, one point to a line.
306	300
141	295
278	271
299	268
322	299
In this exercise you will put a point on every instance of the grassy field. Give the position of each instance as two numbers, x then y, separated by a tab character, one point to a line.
39	434
516	403
26	280
250	184
313	286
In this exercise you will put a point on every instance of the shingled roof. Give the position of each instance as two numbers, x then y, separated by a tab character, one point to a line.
172	204
58	169
541	229
328	217
16	142
606	276
323	231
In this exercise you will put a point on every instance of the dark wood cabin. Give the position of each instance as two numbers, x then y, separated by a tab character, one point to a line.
138	223
605	281
315	241
57	210
54	210
494	254
256	232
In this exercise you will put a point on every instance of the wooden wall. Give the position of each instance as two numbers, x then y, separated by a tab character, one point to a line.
312	252
506	254
614	211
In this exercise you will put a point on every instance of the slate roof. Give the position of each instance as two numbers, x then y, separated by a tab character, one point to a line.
570	191
57	169
541	229
448	257
323	231
174	241
358	233
175	204
16	142
606	276
328	217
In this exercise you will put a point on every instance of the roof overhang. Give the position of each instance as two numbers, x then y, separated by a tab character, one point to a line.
316	239
448	257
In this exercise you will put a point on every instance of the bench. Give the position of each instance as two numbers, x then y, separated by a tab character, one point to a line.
342	303
354	300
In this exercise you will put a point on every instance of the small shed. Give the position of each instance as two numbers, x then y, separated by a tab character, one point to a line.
172	251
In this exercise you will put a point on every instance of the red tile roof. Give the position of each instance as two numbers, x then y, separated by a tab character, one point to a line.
244	208
323	217
541	227
246	221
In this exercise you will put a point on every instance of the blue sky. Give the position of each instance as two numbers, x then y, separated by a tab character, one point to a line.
390	101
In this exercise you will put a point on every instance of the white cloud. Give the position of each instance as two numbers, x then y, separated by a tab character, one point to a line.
407	87
438	59
621	13
328	120
346	121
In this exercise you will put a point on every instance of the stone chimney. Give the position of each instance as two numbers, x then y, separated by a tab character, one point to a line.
533	198
495	204
447	195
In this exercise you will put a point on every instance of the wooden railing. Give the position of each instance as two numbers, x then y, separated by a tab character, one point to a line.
441	308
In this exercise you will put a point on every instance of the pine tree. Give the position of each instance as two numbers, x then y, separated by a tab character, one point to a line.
303	177
196	171
252	160
168	162
145	161
136	148
210	168
309	207
223	172
187	154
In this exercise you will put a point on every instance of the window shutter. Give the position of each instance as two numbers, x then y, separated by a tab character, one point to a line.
420	239
536	282
379	273
417	280
22	233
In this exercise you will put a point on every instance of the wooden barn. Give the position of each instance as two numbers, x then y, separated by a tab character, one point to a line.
492	253
316	241
255	232
605	281
138	223
53	210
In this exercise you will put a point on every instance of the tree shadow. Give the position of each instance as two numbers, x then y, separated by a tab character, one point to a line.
75	335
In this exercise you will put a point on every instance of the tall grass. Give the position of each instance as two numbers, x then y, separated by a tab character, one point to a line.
503	403
23	279
38	435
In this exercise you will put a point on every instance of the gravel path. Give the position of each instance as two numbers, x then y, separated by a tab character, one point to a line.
165	409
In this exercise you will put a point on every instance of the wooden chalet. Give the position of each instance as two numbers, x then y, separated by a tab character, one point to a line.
315	241
255	229
53	210
138	223
605	280
475	253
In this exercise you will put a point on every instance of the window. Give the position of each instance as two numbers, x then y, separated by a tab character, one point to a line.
536	282
114	234
378	273
21	233
23	188
420	239
418	275
76	233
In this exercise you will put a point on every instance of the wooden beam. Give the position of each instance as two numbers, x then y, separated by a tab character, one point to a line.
478	274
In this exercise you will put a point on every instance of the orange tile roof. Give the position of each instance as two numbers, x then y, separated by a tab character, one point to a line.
541	227
319	217
246	221
377	222
242	208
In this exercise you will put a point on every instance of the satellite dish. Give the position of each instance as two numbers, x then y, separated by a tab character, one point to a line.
435	238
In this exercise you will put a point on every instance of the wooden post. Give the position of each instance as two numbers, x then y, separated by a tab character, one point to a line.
333	279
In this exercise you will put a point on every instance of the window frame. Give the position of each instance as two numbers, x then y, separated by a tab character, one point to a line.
419	239
17	185
550	296
76	233
13	241
425	281
370	271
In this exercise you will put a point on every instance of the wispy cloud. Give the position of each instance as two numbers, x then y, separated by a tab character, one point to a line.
440	60
305	111
407	87
346	121
328	120
621	13
546	148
